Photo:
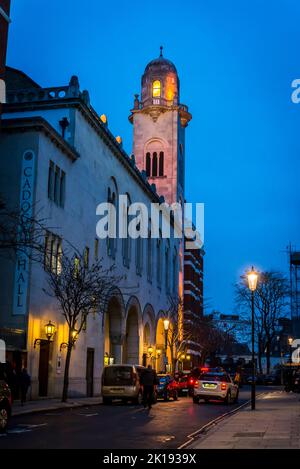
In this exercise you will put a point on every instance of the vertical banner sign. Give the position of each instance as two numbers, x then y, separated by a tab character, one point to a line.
22	262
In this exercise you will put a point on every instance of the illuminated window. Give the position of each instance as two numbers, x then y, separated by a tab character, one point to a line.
156	89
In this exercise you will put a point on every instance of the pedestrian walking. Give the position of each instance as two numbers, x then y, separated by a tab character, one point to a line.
25	382
149	382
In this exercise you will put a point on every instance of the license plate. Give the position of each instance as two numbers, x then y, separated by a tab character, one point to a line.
115	390
209	385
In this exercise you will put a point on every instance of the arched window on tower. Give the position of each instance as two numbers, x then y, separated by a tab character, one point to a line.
161	164
148	164
156	89
154	164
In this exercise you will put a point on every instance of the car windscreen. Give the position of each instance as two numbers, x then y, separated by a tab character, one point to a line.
117	376
213	377
162	379
183	379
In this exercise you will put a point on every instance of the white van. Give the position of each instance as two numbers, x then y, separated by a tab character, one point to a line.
122	382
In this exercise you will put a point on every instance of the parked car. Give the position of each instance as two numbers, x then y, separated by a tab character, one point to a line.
122	382
5	404
184	384
167	387
215	385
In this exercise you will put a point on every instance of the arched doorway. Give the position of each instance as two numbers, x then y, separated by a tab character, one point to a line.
113	337
131	343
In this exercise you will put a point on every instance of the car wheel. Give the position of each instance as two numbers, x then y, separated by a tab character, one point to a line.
175	397
4	416
227	399
107	401
195	400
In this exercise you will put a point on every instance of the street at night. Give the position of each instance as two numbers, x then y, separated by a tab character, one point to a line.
149	231
118	426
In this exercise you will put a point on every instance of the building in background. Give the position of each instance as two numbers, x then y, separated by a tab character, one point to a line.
193	303
294	261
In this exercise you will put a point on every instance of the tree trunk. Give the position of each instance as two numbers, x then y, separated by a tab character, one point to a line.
268	349
66	374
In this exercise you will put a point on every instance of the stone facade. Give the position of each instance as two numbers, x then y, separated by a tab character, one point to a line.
93	163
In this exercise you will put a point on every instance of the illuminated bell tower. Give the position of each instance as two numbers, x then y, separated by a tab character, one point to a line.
159	122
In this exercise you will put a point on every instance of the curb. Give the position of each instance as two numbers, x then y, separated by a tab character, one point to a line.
71	405
192	436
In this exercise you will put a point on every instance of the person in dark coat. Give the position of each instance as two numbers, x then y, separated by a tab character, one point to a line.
149	382
25	382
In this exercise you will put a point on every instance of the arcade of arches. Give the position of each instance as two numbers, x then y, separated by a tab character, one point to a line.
133	337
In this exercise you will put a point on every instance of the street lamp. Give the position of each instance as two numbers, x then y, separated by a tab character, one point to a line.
166	328
290	342
252	276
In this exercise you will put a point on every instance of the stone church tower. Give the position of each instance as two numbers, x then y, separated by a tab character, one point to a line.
159	122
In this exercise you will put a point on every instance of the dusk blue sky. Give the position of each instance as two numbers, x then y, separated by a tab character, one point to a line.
236	61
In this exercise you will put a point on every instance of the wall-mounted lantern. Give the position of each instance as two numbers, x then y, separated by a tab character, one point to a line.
74	337
49	332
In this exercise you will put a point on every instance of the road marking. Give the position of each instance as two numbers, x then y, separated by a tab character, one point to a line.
32	426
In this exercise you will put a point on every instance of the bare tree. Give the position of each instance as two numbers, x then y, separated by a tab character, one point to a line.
211	337
20	233
177	335
270	302
79	290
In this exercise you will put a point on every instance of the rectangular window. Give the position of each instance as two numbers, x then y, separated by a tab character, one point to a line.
53	253
56	184
51	181
62	188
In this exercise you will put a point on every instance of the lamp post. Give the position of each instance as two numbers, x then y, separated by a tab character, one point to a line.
252	284
166	328
290	342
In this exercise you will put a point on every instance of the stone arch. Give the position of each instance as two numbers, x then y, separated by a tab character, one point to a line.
148	334
133	322
114	327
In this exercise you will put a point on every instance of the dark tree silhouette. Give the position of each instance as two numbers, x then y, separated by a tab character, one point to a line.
270	301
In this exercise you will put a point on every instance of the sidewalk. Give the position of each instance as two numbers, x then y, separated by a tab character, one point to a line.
43	405
274	424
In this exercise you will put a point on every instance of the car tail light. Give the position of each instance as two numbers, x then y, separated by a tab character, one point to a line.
223	386
196	383
191	381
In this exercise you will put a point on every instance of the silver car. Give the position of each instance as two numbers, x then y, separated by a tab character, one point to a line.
215	385
122	382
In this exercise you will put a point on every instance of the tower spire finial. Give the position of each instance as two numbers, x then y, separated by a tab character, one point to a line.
161	51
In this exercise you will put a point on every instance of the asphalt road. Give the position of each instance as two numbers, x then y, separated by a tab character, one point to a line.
117	426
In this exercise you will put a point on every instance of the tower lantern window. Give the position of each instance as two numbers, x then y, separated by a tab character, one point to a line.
156	89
